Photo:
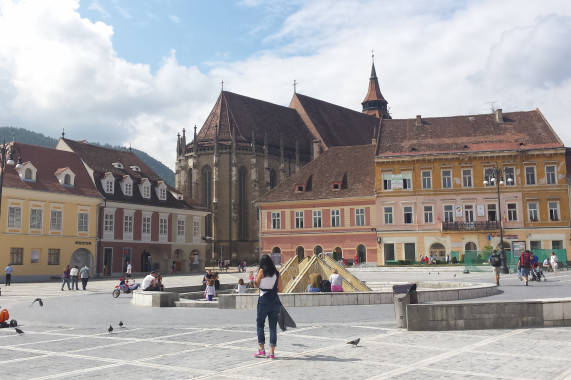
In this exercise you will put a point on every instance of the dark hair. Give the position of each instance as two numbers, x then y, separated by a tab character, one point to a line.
267	265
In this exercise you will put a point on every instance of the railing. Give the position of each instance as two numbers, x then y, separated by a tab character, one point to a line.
470	226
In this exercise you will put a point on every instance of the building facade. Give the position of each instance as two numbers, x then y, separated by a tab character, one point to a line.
48	213
141	219
437	185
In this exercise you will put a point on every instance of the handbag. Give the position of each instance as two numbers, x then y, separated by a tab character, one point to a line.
285	320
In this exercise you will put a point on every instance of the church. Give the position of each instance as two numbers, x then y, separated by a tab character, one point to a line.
247	146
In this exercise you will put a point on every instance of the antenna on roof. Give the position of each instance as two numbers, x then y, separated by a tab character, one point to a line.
222	84
294	85
130	148
13	135
492	105
62	133
373	55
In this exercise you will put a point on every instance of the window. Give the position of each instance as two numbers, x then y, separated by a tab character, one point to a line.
530	175
109	222
448	213
512	212
276	220
16	256
299	219
196	227
53	256
36	218
83	222
128	188
407	210
488	175
428	217
553	210
388	211
335	218
128	223
533	212
387	181
109	188
406	180
35	256
426	179
146	225
360	217
535	245
446	179
469	213
28	175
55	220
180	227
509	174
550	175
556	244
162	193
67	180
163	226
316	219
14	217
467	177
492	212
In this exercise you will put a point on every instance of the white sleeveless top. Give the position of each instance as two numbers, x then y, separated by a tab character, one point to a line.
267	283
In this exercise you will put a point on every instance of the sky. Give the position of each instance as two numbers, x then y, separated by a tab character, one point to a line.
136	72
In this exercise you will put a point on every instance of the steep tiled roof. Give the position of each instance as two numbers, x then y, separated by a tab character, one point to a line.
374	92
101	160
246	115
48	162
334	125
352	167
518	131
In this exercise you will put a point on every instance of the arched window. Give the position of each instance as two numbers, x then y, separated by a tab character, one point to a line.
362	253
317	250
273	178
300	252
243	203
277	255
471	246
206	197
337	254
67	180
437	250
28	174
190	183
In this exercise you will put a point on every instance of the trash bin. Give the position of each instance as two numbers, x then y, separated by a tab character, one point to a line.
404	294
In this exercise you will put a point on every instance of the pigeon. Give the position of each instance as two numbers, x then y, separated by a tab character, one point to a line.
110	329
354	342
19	331
454	275
39	300
120	323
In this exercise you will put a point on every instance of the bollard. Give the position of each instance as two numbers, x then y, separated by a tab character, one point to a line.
404	295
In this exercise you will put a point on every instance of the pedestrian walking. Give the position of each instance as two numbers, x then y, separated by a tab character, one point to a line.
554	263
65	277
525	264
85	274
9	271
74	276
128	270
496	262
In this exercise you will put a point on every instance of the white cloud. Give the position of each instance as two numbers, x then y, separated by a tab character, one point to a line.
58	70
174	19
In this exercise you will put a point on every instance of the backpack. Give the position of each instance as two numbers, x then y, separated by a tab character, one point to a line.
525	260
325	286
496	260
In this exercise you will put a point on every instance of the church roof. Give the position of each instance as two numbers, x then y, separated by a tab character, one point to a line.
48	161
246	115
374	92
334	125
516	131
352	168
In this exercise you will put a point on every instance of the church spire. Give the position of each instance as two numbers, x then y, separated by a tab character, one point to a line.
374	103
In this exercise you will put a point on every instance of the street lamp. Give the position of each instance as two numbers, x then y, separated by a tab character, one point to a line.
496	174
4	162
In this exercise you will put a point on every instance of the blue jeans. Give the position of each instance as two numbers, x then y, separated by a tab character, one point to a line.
268	306
64	281
74	281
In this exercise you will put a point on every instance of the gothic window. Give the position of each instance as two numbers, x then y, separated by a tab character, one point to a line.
206	196
243	202
273	178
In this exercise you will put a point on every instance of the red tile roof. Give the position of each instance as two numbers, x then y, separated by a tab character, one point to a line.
49	162
351	166
518	131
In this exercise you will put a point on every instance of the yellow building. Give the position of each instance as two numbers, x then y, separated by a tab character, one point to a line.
48	213
437	192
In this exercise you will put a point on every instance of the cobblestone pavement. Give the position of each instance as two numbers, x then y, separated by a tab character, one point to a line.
68	337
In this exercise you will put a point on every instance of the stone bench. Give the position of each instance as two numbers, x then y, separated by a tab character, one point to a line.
489	315
155	299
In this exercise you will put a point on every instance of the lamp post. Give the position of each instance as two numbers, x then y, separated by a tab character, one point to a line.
498	179
3	162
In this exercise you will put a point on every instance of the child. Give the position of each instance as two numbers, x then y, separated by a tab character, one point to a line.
210	291
251	279
241	286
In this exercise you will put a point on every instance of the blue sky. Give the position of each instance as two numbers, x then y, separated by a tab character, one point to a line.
138	72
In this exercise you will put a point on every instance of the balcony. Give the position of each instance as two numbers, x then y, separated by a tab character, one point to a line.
470	226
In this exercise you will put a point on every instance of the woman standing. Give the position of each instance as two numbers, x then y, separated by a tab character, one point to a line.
270	283
65	278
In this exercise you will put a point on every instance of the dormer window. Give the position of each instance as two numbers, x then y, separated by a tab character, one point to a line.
162	191
299	188
28	172
65	177
135	168
118	165
145	188
108	183
127	186
335	185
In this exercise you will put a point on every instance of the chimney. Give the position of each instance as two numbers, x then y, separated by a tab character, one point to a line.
316	149
418	122
499	117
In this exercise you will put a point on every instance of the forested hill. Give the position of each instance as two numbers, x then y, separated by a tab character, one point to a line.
33	138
